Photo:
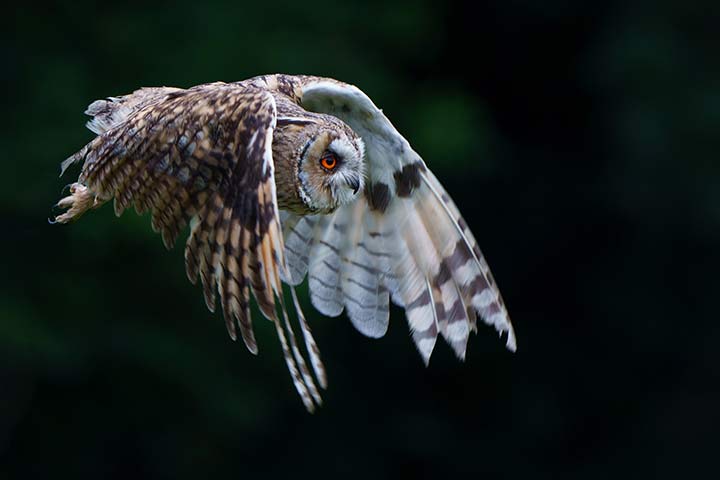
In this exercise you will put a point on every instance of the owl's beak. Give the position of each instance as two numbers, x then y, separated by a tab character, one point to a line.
354	183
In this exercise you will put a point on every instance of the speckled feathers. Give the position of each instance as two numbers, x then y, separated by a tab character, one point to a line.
241	164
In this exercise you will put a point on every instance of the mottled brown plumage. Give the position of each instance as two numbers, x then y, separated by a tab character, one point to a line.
285	176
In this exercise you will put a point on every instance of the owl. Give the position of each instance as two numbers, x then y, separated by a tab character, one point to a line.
283	177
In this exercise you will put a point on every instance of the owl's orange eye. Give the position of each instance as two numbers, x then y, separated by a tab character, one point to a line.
329	161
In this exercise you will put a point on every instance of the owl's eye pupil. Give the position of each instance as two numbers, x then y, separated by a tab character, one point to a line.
328	161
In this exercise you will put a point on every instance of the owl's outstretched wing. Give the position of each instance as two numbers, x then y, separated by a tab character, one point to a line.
203	156
404	239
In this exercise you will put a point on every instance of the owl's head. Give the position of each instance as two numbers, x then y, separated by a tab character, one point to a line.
327	158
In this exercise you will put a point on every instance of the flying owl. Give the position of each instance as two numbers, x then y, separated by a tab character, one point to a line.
281	177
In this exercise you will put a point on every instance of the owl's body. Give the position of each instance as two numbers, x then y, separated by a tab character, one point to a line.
282	177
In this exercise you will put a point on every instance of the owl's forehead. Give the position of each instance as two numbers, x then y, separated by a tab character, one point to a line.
347	148
344	141
335	124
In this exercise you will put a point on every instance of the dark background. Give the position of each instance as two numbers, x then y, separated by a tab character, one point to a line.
578	138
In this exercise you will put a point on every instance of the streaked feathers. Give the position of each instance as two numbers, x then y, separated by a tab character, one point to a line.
224	158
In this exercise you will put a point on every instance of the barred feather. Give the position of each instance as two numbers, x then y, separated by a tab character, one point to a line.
404	239
203	156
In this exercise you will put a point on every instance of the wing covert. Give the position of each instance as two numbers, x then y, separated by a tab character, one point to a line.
404	240
202	156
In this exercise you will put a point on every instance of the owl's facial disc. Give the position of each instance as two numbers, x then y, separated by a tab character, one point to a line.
331	170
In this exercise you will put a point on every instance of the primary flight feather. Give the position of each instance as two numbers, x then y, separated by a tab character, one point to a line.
282	177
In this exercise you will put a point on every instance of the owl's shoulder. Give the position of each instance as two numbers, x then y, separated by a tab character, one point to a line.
279	84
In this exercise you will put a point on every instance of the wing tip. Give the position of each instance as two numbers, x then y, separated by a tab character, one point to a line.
252	348
511	342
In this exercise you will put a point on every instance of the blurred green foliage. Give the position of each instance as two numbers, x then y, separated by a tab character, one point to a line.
580	140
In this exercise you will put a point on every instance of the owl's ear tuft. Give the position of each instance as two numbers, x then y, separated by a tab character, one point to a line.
299	121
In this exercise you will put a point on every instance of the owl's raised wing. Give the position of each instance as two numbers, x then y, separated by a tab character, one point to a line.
404	239
204	156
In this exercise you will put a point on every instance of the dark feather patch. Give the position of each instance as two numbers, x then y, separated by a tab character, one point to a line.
408	179
378	196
